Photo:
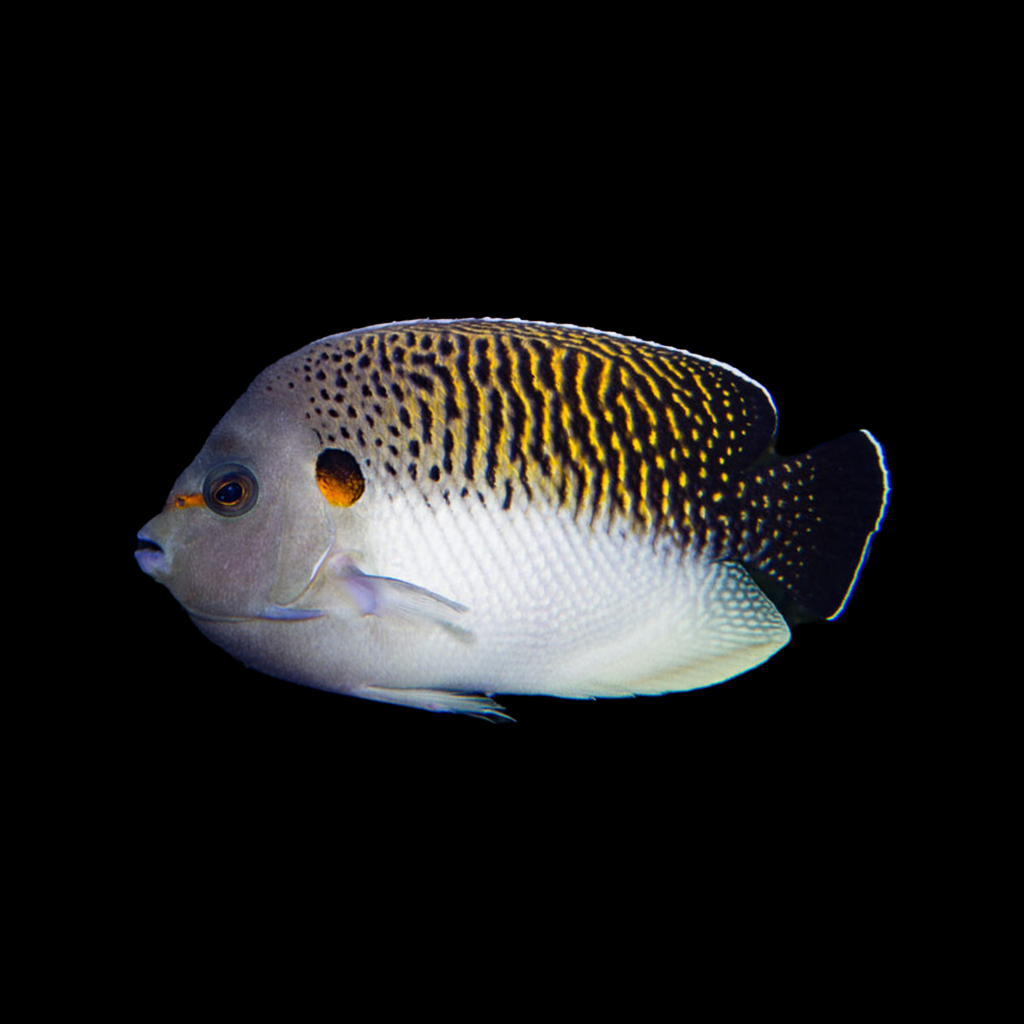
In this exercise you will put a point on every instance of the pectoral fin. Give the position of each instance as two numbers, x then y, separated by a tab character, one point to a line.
384	596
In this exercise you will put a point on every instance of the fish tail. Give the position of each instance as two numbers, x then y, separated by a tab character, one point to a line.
811	521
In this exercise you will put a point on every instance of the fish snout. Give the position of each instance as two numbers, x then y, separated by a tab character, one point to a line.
152	558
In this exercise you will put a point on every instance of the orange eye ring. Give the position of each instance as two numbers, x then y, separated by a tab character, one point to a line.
230	490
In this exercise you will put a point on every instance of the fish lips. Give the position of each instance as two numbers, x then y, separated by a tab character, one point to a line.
152	558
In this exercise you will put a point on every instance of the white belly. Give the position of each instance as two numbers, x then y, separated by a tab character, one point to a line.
552	607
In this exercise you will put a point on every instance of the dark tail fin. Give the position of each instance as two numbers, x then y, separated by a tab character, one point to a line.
822	511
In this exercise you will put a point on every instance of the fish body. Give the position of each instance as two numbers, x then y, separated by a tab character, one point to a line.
432	512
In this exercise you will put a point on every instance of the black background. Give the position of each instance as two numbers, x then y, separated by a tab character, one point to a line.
802	211
792	263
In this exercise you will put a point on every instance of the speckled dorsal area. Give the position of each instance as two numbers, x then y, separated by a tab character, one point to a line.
611	428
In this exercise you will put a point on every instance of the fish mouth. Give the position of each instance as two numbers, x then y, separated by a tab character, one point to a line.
151	557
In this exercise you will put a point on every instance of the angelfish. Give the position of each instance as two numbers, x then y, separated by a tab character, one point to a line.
432	512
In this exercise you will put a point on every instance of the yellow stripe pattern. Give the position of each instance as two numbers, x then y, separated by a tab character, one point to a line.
618	432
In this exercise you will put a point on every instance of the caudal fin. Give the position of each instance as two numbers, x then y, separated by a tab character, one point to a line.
824	509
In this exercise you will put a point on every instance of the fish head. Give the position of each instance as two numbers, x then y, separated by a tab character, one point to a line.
247	525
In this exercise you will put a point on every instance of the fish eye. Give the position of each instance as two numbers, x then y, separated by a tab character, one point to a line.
230	490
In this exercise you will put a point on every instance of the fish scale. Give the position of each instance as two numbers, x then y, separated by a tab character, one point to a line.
430	510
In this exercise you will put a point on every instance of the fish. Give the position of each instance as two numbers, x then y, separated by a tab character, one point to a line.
430	513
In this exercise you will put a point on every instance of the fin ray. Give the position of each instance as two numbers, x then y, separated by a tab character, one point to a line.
474	704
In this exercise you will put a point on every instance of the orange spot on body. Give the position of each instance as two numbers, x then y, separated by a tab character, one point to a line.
339	478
